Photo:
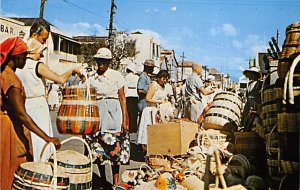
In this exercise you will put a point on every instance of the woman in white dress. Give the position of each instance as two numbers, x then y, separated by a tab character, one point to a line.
53	98
156	96
32	77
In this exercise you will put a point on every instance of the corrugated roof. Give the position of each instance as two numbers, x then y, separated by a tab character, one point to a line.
213	71
30	21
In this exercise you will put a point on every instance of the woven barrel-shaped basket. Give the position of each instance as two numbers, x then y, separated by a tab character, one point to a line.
78	113
272	104
226	107
76	166
248	143
290	46
288	167
40	175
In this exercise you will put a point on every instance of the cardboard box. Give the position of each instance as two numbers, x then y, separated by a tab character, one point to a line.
171	138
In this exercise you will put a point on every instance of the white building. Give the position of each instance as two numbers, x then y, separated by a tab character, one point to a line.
148	47
10	28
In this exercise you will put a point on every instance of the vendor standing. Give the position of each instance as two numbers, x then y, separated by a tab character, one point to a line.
111	143
252	107
143	84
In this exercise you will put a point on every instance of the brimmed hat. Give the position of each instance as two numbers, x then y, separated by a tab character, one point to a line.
103	53
253	71
131	66
34	46
149	63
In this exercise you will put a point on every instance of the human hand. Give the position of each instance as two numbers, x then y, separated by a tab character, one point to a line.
55	141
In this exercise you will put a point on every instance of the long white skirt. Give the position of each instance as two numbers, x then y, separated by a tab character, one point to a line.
37	109
147	118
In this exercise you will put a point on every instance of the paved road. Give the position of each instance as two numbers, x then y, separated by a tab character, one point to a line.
78	146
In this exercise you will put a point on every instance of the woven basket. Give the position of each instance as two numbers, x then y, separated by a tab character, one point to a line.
156	160
247	143
40	175
76	166
288	122
288	167
78	113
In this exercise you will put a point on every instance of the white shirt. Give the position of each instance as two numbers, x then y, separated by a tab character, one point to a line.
108	84
131	85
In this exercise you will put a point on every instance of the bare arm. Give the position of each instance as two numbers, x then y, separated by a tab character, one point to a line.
18	102
47	73
122	100
205	91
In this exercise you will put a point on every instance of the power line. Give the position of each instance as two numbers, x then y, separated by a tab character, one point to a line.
83	9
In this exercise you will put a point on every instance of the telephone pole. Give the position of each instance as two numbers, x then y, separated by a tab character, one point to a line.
42	9
182	65
111	18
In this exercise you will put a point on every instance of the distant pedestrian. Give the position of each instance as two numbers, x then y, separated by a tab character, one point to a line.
53	96
132	99
143	83
193	91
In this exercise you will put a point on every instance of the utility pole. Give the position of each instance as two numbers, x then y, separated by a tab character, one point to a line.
205	67
111	18
182	65
42	9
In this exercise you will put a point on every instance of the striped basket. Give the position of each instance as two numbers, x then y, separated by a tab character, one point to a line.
78	113
40	175
76	166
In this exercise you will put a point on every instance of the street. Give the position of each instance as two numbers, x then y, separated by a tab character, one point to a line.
78	146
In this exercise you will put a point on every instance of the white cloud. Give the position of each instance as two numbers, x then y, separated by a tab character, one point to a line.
81	28
173	8
229	30
226	29
237	44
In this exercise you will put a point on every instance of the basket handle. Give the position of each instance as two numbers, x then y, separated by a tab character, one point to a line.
87	146
290	79
54	178
268	147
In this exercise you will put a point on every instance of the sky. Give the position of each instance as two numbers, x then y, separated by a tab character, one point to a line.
221	34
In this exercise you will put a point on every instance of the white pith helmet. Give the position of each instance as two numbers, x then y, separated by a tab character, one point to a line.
103	53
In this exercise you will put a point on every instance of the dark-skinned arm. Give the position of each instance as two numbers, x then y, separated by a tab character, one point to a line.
122	100
17	100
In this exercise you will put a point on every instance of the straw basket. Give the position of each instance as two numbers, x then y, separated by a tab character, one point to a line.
273	152
271	98
78	113
76	166
40	175
156	160
226	107
290	46
248	143
288	167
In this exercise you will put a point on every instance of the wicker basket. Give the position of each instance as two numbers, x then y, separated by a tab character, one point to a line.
40	175
76	166
288	122
288	167
156	160
248	143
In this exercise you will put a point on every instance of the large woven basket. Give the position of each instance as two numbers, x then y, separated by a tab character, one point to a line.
248	143
78	113
40	175
226	107
76	166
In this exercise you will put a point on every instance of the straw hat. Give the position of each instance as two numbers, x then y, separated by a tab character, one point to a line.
34	46
149	63
252	71
131	66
